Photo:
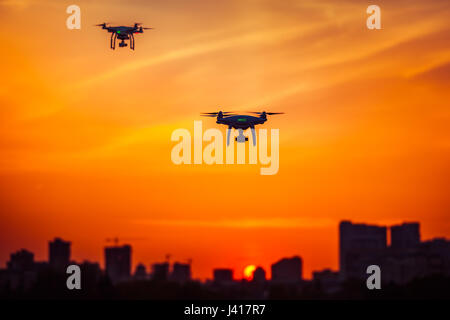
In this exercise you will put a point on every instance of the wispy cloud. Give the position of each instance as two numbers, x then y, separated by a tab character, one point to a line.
18	4
253	38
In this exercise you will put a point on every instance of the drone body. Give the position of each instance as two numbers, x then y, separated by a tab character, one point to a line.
240	122
123	33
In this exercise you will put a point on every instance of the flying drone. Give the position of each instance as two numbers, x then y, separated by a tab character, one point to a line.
240	122
123	33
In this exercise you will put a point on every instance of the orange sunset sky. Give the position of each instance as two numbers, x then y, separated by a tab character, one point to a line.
85	130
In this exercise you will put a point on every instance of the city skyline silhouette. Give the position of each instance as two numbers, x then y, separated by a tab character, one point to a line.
406	261
360	236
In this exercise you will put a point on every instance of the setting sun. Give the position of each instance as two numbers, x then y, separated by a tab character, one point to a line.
248	272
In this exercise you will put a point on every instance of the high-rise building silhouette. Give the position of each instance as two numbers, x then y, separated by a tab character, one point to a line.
259	275
181	272
22	260
59	254
328	280
118	262
287	270
160	271
360	245
406	259
90	274
223	275
20	272
440	248
141	272
405	236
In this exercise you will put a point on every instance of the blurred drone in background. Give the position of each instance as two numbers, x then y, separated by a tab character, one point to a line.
123	33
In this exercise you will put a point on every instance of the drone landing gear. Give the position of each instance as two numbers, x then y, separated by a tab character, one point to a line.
113	40
122	43
228	136
253	136
132	41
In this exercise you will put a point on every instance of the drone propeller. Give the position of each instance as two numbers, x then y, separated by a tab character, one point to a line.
223	112
209	115
267	113
139	24
101	24
215	114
